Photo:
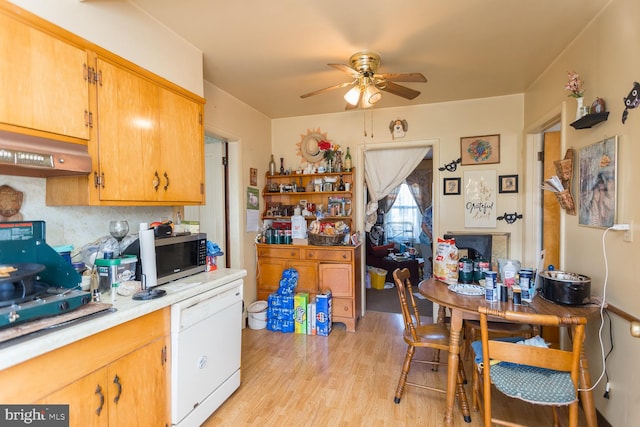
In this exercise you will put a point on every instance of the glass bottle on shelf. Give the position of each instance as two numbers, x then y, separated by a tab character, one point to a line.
341	184
347	161
272	166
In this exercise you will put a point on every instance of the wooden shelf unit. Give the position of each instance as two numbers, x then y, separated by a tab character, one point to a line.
320	268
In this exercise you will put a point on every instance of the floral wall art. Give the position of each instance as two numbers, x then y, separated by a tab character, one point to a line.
480	199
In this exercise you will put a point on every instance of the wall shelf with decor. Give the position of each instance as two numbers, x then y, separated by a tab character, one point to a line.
285	192
590	120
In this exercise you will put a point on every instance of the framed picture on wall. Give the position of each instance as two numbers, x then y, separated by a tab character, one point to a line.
480	198
598	166
253	176
508	183
450	186
480	150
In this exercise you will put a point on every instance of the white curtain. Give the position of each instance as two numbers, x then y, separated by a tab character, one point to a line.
384	170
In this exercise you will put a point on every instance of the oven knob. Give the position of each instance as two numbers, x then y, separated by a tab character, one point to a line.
63	306
13	316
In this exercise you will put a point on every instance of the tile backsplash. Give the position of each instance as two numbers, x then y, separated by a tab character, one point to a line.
77	225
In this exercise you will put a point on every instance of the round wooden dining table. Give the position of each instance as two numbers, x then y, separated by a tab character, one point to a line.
466	307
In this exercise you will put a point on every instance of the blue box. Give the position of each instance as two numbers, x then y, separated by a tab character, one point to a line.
323	313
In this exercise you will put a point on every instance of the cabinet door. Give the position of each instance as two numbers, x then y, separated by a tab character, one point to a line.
269	273
86	398
307	275
137	386
182	149
128	129
42	81
337	277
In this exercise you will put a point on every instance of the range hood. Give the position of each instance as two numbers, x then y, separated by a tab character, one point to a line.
26	155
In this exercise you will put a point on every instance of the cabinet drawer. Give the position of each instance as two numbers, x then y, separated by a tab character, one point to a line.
341	255
279	252
342	307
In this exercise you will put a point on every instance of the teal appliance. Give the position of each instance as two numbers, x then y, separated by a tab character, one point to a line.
35	281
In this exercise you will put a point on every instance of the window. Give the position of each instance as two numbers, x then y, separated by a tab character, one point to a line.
402	222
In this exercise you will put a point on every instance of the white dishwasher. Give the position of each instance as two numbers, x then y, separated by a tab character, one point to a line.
206	340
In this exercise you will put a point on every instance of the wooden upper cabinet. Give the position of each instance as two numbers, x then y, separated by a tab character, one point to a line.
128	129
181	148
150	146
43	82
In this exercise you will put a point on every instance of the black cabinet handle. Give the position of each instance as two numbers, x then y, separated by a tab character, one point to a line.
116	381
156	181
99	393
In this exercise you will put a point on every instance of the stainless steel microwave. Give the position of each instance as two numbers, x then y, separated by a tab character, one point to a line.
176	256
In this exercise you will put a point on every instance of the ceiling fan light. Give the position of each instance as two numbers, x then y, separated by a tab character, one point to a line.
372	94
352	95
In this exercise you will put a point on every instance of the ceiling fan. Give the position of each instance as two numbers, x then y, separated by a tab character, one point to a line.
367	84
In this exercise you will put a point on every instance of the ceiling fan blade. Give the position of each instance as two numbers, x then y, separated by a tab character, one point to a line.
327	89
346	69
399	90
403	77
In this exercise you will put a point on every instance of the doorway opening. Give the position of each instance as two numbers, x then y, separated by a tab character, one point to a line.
395	149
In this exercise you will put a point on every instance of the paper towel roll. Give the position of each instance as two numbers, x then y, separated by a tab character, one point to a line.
148	256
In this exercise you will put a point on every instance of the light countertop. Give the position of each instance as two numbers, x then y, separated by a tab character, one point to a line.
22	349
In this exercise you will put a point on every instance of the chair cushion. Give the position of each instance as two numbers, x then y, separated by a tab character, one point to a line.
535	385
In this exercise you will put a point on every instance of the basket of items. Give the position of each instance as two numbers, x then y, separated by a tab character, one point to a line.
327	234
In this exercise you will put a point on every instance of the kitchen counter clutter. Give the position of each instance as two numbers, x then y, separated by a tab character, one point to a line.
126	310
163	352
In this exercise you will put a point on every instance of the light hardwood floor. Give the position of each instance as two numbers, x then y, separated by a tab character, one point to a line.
346	379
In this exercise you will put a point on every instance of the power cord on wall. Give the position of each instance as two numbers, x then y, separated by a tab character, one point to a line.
615	227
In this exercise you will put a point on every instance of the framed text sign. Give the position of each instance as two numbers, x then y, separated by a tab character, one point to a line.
480	199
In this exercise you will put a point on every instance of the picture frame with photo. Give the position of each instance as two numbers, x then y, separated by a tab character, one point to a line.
480	150
598	176
450	186
253	177
508	184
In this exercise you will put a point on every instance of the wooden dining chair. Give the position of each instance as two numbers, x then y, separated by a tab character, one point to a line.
538	375
496	329
427	335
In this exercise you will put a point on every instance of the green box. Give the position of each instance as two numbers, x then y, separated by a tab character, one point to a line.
300	302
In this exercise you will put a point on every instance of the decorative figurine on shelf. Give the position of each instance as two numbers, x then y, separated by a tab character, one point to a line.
598	106
338	164
341	186
281	165
631	101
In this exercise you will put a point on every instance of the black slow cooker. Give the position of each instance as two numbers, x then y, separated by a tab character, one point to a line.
566	288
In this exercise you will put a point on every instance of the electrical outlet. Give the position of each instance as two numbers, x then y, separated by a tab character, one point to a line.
628	234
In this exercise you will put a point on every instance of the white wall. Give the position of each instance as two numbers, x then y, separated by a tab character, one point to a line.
604	57
249	134
445	123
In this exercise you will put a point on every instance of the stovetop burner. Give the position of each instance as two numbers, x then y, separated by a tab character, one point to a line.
19	295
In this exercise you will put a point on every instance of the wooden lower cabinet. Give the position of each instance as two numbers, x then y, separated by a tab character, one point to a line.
335	268
119	377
